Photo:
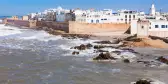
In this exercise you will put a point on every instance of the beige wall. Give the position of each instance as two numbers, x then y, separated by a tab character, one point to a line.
142	28
25	18
88	28
158	33
32	23
63	26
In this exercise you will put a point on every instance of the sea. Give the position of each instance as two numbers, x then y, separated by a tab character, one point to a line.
35	57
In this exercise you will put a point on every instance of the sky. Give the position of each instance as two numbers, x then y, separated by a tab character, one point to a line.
22	7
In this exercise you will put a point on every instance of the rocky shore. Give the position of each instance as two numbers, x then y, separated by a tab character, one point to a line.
122	49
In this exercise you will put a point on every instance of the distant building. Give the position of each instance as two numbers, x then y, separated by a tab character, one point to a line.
126	16
150	27
50	16
153	10
25	17
14	18
63	15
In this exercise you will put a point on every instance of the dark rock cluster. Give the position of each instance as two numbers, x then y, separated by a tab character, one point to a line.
163	59
75	36
75	53
141	81
133	38
126	61
83	47
104	56
117	41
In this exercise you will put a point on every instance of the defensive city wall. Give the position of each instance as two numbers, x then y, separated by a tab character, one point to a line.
72	27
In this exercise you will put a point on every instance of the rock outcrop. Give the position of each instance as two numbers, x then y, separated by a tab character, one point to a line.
143	81
83	47
75	36
104	56
126	61
163	60
75	53
115	41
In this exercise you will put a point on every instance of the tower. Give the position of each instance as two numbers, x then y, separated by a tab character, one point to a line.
153	10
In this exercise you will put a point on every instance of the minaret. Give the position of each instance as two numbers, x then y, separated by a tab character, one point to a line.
153	10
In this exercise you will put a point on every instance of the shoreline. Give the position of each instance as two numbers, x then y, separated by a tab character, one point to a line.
134	57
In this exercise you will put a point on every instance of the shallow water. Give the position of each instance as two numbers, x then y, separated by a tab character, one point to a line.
35	57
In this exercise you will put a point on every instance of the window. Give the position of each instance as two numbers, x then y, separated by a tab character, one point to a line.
156	26
163	26
134	16
105	19
129	16
101	19
166	26
125	16
91	21
121	19
142	27
97	21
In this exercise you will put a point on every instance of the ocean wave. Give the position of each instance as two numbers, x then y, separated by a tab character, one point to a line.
41	36
6	30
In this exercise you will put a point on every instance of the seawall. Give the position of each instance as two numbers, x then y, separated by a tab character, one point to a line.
63	26
21	23
105	29
98	29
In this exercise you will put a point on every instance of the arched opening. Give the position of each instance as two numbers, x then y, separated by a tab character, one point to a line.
97	21
92	21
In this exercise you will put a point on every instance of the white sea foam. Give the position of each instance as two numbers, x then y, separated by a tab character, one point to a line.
7	30
41	35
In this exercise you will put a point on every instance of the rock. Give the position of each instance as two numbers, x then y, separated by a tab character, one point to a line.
103	42
143	81
126	61
129	50
98	46
102	51
117	41
163	59
145	62
103	56
81	47
148	81
75	36
89	45
133	38
75	53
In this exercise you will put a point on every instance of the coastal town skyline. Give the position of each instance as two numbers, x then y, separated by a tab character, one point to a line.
24	7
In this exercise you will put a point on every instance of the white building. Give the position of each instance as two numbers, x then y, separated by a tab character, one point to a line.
153	10
126	16
150	27
92	16
107	16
